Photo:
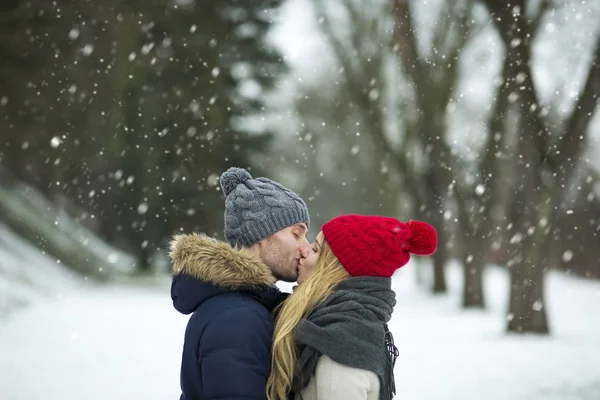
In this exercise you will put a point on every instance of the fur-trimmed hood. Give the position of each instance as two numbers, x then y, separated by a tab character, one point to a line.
216	262
204	267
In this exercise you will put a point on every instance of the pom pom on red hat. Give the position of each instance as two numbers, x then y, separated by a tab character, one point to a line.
424	238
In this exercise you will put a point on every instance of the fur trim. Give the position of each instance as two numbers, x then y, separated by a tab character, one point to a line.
216	262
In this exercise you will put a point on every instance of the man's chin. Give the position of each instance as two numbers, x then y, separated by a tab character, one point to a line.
289	280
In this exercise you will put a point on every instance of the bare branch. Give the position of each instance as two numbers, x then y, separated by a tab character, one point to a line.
535	22
357	22
450	68
502	16
497	126
440	34
360	95
456	28
572	142
404	36
513	28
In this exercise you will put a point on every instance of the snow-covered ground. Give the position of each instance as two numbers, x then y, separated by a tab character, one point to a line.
447	353
28	275
124	342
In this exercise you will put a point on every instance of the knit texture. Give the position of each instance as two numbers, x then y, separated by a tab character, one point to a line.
257	208
350	328
376	245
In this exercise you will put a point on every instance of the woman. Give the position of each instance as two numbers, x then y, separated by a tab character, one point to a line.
331	339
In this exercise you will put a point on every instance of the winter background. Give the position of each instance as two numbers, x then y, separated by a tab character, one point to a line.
116	120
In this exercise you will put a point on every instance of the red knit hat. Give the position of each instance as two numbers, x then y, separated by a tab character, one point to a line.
375	245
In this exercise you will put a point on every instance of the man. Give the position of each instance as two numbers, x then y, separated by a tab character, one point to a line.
230	288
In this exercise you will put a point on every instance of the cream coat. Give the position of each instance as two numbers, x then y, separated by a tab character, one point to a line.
335	381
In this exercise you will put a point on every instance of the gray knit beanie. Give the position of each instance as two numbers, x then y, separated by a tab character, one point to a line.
257	208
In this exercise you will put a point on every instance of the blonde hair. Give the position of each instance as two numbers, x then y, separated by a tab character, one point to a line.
306	297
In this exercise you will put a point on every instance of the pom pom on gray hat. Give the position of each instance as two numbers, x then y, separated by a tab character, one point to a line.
231	178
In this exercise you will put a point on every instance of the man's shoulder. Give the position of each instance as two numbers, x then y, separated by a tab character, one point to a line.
233	305
235	313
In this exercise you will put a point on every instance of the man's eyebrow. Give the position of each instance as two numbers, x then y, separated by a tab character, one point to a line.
302	226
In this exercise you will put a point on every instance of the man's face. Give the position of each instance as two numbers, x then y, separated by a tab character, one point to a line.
283	250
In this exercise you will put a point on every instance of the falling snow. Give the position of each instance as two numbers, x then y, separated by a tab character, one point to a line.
87	50
73	33
55	142
142	208
567	256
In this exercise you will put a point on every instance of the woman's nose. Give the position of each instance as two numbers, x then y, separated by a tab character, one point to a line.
304	251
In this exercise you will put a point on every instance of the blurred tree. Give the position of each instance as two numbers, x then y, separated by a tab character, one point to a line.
34	98
439	178
544	164
575	235
330	154
433	77
415	145
133	109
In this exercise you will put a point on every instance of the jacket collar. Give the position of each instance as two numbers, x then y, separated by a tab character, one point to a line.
217	263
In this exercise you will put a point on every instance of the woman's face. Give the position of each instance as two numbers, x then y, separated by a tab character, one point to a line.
308	264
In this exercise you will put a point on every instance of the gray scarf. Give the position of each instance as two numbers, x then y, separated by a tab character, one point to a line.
350	327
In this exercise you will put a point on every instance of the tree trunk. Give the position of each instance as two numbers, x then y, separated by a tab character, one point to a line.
473	280
527	313
439	261
473	250
145	259
437	180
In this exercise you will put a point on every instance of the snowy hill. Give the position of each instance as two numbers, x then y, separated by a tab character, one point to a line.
44	251
27	275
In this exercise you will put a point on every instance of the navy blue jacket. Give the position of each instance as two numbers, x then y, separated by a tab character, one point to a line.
227	347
